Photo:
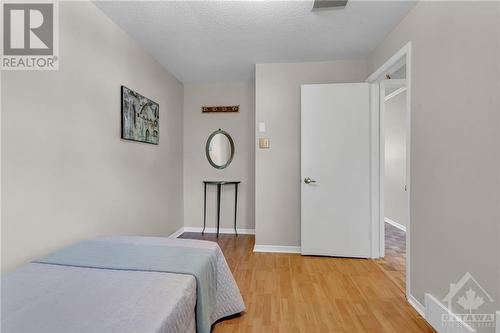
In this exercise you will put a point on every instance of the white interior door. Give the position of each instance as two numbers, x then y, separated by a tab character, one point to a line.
336	168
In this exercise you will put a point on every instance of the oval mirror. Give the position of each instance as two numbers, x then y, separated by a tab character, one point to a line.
220	149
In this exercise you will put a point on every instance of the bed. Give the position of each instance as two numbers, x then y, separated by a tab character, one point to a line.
51	295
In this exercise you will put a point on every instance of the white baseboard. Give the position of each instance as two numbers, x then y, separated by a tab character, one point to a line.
395	224
221	230
229	231
497	324
434	312
276	249
177	233
416	305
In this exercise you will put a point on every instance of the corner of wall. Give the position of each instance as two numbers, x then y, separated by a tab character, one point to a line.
182	224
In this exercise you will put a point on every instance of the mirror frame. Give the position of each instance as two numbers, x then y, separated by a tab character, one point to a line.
207	146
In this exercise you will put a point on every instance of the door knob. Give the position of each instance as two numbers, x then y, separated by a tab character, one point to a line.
308	180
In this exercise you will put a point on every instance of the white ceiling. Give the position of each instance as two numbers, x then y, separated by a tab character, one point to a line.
209	41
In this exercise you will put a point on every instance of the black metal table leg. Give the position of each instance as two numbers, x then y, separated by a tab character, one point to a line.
204	207
218	208
235	206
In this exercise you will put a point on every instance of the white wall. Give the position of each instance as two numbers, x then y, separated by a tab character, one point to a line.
395	198
277	170
66	173
455	162
197	128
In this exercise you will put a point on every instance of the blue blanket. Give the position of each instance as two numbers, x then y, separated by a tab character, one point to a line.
201	263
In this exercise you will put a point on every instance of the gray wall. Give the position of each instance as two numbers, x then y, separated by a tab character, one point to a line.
395	198
498	148
197	127
66	173
455	141
277	170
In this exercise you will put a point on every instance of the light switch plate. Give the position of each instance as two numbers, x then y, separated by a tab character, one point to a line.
262	127
264	143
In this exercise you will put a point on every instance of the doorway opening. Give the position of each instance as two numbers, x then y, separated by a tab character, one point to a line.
391	96
395	200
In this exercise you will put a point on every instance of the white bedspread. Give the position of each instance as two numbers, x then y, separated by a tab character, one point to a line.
52	298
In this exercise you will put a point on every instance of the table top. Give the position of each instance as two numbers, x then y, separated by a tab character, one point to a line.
221	182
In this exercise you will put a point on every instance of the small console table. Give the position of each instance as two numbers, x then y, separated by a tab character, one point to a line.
219	185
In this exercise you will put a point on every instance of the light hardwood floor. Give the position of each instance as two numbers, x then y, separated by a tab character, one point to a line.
289	293
394	262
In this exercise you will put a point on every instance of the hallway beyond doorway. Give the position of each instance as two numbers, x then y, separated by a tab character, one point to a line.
394	262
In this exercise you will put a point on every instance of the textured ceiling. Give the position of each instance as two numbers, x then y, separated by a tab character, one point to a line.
208	41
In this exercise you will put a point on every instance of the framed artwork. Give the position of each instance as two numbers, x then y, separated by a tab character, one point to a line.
140	117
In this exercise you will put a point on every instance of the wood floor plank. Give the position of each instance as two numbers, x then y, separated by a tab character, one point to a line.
290	293
394	261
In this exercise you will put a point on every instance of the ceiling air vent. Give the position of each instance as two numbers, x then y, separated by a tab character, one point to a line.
329	3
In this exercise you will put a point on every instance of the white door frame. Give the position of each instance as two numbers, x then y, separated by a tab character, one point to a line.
403	56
